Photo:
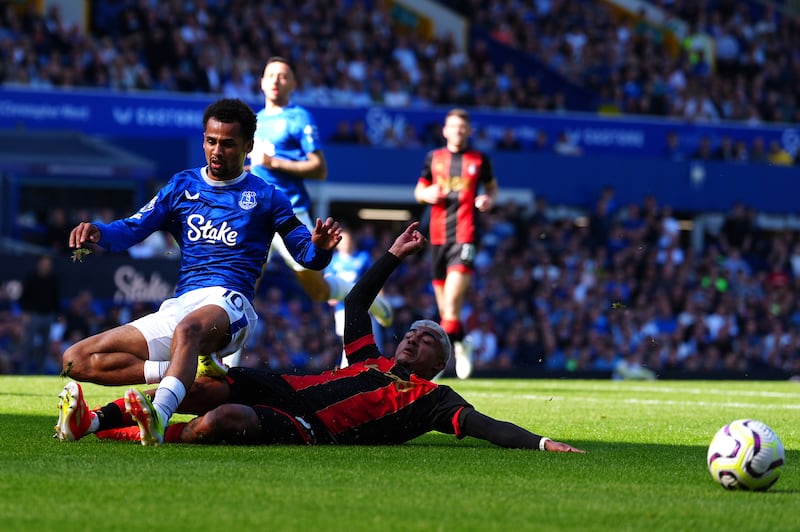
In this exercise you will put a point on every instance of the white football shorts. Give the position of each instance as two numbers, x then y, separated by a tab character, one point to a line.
159	326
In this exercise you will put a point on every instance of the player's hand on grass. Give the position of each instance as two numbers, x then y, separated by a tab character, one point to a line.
559	447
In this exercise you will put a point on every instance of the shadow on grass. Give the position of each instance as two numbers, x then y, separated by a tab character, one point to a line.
32	434
624	460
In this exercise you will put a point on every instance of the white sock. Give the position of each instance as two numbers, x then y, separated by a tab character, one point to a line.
234	359
154	370
169	395
94	424
339	287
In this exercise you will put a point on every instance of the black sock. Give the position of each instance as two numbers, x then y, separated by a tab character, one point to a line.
110	417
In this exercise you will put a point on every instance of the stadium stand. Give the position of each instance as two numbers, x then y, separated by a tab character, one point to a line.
580	293
737	60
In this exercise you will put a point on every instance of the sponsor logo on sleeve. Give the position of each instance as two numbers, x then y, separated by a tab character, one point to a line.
147	208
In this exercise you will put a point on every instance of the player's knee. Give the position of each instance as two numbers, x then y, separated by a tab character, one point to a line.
77	362
187	330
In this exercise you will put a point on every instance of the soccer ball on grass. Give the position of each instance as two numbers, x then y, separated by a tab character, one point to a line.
746	454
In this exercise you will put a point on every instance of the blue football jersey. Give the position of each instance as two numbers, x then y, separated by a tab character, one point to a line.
224	229
289	134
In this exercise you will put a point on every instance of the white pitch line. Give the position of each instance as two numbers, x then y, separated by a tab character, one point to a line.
656	389
705	391
665	402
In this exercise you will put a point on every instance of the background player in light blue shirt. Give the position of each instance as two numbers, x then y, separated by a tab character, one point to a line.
224	220
287	150
349	263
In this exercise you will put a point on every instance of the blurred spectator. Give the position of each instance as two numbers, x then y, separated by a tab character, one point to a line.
509	141
41	306
482	141
12	333
349	263
159	245
343	134
359	96
360	133
740	152
778	156
737	231
396	95
758	153
56	235
565	146
483	342
390	139
240	84
409	138
673	151
698	107
704	151
725	150
542	142
80	319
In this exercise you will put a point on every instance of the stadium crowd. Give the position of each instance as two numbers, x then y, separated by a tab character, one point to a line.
615	290
552	293
735	62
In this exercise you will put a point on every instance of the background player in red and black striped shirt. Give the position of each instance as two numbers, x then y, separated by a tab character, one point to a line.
450	181
375	400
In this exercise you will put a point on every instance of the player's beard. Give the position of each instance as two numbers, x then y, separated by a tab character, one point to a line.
221	172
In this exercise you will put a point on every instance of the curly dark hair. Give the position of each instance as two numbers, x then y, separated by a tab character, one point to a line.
232	110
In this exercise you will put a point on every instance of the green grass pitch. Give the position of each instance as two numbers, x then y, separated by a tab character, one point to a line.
645	469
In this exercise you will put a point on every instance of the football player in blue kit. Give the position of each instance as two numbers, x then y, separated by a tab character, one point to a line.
224	219
287	150
348	263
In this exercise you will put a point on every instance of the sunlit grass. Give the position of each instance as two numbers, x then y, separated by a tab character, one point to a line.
645	468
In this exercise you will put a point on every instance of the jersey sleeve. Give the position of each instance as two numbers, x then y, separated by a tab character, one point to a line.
426	175
358	324
449	411
296	236
122	234
502	433
309	134
487	172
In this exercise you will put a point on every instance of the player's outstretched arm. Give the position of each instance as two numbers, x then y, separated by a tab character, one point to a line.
506	434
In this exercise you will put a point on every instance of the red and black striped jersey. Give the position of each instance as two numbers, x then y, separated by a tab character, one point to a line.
375	402
459	175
